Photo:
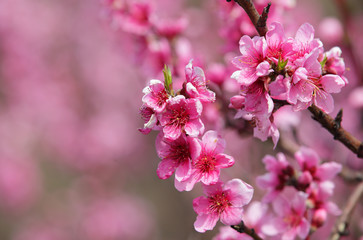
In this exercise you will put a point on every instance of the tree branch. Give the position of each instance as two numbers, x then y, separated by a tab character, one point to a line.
258	21
335	128
242	228
341	226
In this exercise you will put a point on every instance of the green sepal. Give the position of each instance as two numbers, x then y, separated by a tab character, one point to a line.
168	82
322	63
281	64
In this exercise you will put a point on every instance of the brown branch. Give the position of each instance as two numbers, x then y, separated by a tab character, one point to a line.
242	228
341	226
335	128
258	21
351	176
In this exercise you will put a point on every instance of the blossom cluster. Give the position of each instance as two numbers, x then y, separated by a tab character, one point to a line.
156	40
176	114
294	71
300	198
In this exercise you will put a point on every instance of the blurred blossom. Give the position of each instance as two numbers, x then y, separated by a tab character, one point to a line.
20	184
330	30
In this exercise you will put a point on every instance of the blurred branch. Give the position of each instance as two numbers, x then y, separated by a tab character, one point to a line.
242	228
351	176
341	226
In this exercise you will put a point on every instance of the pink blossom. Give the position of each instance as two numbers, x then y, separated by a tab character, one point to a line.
182	115
291	221
319	195
222	202
257	105
207	160
137	18
274	181
155	95
175	157
309	87
170	29
20	184
253	63
196	84
309	161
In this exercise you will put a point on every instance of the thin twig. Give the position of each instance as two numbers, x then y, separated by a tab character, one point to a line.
242	228
335	128
258	21
351	176
341	226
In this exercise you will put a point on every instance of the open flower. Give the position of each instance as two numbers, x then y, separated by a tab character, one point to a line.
196	84
207	160
291	221
222	202
155	95
175	157
252	63
182	115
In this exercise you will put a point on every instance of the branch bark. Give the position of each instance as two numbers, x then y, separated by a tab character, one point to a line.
334	126
242	228
259	21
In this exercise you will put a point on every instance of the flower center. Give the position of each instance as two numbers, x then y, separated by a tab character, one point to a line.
205	163
179	152
179	117
161	96
219	202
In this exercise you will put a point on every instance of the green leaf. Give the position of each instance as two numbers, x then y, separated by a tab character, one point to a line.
168	82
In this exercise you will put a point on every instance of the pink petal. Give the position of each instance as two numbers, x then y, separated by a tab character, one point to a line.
183	171
332	83
185	185
194	127
166	168
172	132
305	33
307	156
191	90
267	180
224	161
201	205
205	222
213	189
194	107
263	69
162	148
195	147
289	234
210	177
231	216
324	101
240	192
281	206
304	228
328	171
213	143
299	203
275	35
